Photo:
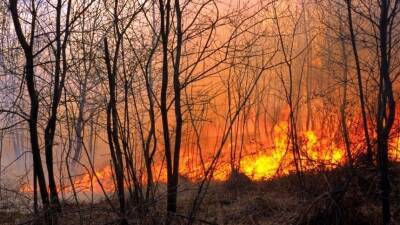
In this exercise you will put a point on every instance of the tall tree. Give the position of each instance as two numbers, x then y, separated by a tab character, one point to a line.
172	154
359	80
29	75
386	108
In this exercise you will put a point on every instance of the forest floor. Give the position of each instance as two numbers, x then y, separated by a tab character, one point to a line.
324	198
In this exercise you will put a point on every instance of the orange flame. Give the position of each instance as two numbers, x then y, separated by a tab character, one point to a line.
315	152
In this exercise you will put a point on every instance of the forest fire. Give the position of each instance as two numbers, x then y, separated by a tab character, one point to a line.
208	111
274	160
264	164
99	183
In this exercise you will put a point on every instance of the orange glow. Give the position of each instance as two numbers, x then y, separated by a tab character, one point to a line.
84	183
88	182
264	166
316	152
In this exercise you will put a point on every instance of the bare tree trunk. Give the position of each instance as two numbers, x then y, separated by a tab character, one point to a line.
293	136
309	122
359	81
79	126
113	126
386	109
59	77
33	95
165	11
148	154
173	182
172	157
343	106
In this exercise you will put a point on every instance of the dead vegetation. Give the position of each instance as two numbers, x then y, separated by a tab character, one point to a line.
335	197
331	198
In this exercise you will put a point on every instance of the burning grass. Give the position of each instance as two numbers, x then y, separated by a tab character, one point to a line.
258	163
326	198
263	190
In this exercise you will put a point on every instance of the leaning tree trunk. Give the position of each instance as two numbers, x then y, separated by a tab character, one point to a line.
359	81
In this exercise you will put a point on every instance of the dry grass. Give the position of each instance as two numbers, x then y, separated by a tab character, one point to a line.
324	199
